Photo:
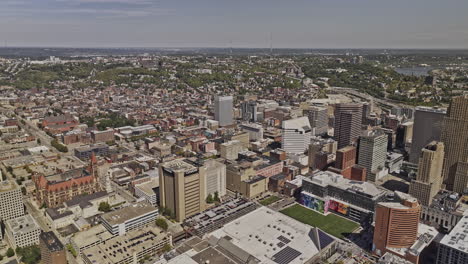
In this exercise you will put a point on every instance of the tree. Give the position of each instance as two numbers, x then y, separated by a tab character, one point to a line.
104	207
10	252
71	250
216	197
161	222
29	254
38	141
1	257
167	248
209	199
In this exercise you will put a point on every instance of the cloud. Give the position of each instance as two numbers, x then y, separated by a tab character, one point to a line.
101	9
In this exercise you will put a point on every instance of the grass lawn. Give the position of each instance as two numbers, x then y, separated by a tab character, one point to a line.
332	224
269	200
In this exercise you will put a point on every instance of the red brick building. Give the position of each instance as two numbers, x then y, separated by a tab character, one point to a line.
59	124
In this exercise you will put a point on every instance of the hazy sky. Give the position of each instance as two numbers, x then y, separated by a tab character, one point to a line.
244	23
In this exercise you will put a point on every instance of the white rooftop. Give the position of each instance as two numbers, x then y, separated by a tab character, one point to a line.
261	232
325	178
297	123
458	237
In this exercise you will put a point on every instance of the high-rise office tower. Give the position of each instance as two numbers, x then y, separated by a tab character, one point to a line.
223	110
373	153
314	148
426	128
455	138
348	119
11	201
366	110
404	134
296	135
249	111
396	225
429	178
215	177
318	119
182	188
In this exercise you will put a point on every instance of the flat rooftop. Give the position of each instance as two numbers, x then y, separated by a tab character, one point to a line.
458	237
178	165
218	213
51	241
119	248
127	213
91	236
325	178
269	236
6	186
22	225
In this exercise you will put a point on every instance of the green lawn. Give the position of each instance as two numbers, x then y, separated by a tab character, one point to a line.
332	224
269	200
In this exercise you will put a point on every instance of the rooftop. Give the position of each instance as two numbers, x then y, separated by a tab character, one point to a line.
51	241
268	236
458	237
127	213
178	165
6	186
325	178
119	248
91	236
22	225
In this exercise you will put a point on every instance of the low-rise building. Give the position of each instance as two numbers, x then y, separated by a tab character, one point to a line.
268	237
90	238
128	218
330	192
132	247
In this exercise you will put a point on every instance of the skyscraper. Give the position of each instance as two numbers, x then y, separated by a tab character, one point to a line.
215	177
296	135
182	188
429	179
373	153
426	128
455	138
348	119
318	119
249	111
223	110
396	225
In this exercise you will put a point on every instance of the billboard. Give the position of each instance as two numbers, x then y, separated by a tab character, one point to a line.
312	202
338	207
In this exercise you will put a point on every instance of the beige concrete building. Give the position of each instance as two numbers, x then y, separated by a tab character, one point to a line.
455	139
429	179
230	150
182	187
243	137
22	231
215	177
11	202
132	247
242	178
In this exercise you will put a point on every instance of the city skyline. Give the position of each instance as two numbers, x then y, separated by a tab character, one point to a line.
305	24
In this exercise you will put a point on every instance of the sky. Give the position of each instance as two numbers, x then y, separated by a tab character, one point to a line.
235	23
